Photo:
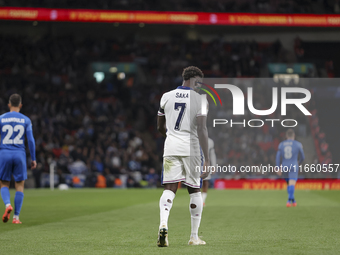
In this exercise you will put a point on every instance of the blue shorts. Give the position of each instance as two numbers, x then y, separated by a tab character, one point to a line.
292	174
13	163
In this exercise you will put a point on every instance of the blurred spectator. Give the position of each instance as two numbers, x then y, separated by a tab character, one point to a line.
98	164
152	178
77	167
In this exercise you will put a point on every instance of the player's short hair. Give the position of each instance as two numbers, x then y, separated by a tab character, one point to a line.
15	100
191	72
290	132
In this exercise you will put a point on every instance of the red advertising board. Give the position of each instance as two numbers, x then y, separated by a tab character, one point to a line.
154	17
311	184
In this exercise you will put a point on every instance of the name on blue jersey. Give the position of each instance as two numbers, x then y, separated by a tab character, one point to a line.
5	120
182	95
288	143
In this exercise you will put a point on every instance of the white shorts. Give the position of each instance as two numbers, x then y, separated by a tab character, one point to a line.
186	169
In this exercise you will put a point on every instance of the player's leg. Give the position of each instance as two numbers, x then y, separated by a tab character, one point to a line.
172	174
293	177
291	191
195	208
5	195
18	200
205	187
20	175
192	166
5	192
5	177
165	203
288	204
291	181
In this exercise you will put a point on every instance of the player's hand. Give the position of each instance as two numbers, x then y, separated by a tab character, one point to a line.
33	164
279	173
206	172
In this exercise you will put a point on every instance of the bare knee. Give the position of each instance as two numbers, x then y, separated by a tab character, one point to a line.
19	186
291	182
4	184
171	186
193	190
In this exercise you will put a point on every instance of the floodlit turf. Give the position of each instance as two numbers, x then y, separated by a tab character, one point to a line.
109	221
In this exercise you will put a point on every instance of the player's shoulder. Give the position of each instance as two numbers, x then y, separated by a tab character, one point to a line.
23	116
298	144
26	117
194	92
6	115
3	115
282	144
180	91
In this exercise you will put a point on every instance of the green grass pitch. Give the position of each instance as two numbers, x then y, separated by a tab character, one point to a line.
110	221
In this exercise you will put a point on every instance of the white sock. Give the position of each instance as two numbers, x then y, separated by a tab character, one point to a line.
15	217
8	205
165	204
204	196
196	208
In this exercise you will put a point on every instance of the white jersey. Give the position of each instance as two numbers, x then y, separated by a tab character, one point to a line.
181	107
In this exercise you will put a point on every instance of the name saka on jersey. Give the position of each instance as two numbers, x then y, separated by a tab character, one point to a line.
182	95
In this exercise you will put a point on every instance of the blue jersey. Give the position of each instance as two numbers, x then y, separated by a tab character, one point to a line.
14	127
290	154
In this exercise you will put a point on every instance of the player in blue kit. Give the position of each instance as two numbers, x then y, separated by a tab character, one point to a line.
13	127
290	155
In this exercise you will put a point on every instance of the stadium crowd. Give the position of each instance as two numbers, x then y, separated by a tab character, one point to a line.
108	129
253	6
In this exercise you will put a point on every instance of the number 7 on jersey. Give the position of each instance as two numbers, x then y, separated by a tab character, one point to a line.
179	107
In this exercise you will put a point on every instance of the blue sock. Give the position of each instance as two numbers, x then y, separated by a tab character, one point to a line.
5	195
18	199
290	190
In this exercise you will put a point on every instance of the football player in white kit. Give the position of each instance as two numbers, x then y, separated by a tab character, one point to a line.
183	123
212	157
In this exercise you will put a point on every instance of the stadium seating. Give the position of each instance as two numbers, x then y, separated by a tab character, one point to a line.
110	129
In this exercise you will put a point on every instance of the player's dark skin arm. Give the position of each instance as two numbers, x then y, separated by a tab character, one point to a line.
205	185
202	132
161	125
